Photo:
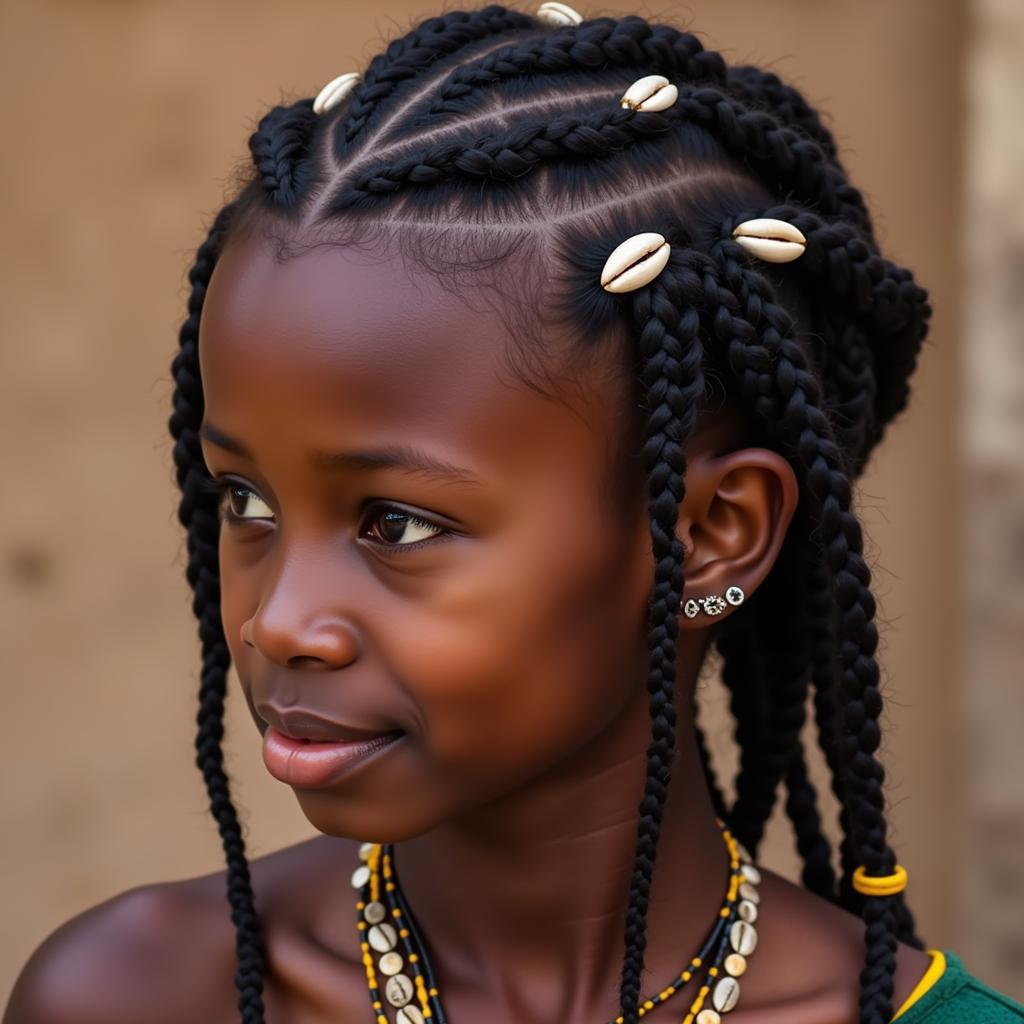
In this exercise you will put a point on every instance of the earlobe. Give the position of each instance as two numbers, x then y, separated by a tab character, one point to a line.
732	524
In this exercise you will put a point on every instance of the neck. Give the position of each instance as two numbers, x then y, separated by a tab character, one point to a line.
524	901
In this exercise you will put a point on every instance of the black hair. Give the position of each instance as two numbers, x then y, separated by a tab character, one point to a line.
489	136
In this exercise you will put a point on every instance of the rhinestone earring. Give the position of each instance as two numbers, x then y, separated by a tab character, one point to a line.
712	605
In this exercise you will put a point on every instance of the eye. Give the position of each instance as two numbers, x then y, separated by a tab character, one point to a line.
239	500
237	503
394	527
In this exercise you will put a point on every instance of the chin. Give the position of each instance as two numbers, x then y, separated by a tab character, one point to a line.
363	821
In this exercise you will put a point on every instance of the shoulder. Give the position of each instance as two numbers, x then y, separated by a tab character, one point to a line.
127	959
821	985
164	953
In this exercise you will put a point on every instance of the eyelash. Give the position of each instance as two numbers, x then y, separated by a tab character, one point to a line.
219	487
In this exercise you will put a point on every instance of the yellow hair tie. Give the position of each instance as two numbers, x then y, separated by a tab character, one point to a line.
880	885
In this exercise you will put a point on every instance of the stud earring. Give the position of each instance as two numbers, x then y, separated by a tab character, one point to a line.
713	604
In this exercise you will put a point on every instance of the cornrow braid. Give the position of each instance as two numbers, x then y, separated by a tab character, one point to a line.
488	125
761	140
279	147
630	41
766	91
197	512
407	57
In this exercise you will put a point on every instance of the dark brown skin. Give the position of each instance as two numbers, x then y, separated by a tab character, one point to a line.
512	653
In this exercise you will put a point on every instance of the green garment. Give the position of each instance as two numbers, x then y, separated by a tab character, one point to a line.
957	997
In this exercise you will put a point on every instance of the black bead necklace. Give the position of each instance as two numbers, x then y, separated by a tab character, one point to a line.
392	946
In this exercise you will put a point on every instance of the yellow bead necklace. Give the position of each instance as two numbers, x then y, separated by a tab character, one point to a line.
392	947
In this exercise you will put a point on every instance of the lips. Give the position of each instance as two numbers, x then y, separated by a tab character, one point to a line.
300	724
308	764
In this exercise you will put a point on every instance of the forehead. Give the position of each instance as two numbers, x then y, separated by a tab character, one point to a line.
337	343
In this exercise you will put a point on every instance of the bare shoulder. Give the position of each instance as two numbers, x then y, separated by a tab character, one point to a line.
165	953
809	959
128	959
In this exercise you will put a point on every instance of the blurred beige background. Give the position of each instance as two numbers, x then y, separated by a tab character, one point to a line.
124	121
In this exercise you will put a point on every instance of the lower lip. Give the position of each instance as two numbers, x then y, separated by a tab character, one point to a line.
299	763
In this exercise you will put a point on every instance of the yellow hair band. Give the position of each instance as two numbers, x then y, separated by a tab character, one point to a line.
880	885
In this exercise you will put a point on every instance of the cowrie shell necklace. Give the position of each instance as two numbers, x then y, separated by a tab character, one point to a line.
401	979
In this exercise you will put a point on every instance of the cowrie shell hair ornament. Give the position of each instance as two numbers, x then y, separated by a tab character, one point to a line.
651	93
635	262
774	241
335	91
558	14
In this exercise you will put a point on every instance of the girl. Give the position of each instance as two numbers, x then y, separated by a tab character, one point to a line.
531	368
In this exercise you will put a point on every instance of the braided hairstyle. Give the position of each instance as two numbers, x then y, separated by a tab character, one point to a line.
488	136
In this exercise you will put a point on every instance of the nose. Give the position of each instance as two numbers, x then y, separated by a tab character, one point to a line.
300	624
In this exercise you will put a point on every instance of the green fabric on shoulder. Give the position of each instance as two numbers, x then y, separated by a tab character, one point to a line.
957	997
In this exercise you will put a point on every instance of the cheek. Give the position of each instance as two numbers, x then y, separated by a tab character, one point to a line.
528	664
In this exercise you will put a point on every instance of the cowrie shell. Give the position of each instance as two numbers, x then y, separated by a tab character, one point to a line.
750	873
335	91
725	995
399	990
390	963
743	937
735	964
773	241
635	262
558	14
652	93
374	912
383	937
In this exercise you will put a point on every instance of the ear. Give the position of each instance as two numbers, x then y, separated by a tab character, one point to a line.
732	522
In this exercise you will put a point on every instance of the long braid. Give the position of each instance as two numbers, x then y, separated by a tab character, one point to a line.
743	666
829	487
825	676
827	399
802	799
768	693
671	356
780	680
197	512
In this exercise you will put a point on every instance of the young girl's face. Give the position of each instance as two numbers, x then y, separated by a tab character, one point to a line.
492	612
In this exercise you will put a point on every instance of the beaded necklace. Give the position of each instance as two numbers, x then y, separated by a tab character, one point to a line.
386	926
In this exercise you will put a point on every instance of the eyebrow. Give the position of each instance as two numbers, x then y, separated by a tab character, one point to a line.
406	458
